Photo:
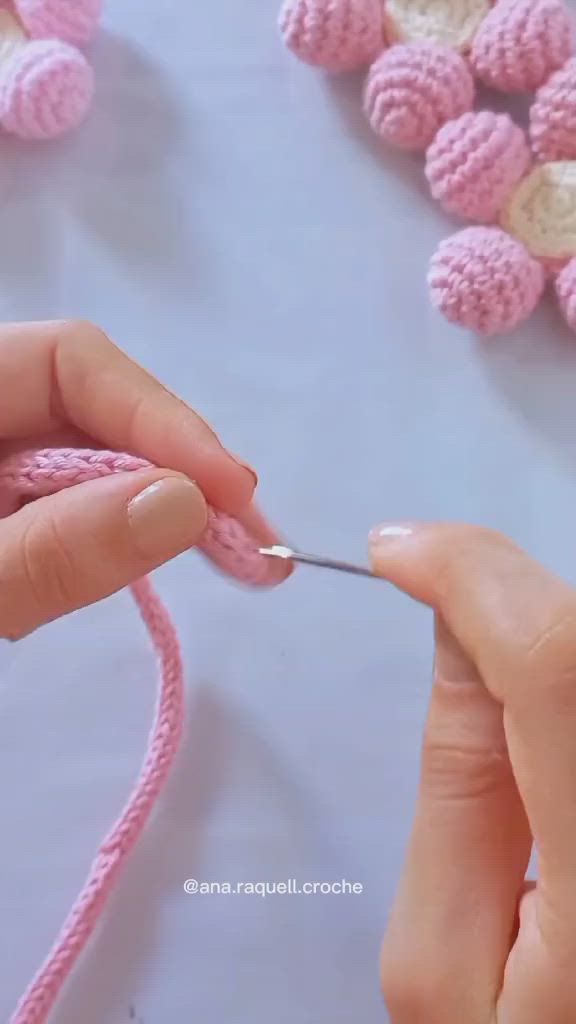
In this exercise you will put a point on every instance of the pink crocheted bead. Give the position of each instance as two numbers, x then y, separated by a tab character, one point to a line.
566	292
413	89
474	163
485	280
46	89
553	116
520	44
338	35
71	21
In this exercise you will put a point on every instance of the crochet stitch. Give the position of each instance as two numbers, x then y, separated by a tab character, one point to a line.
423	57
491	279
227	545
46	83
419	94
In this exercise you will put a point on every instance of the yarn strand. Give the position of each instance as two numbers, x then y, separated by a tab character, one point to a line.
82	919
228	546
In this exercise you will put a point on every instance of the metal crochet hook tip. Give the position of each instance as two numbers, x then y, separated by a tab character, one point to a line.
288	555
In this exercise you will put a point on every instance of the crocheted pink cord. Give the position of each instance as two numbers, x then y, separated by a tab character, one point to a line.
43	991
227	544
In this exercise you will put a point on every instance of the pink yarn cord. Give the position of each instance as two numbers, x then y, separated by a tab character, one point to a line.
226	543
42	993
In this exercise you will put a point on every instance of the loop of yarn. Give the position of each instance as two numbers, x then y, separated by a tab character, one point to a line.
31	475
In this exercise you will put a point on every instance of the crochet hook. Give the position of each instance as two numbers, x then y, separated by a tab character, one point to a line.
288	555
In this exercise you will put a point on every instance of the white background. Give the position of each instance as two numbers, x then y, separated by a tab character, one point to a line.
227	217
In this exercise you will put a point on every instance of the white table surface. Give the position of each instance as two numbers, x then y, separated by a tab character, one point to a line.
226	215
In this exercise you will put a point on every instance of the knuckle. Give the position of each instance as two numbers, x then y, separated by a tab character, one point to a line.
47	568
417	986
555	643
457	770
555	928
71	330
549	660
412	991
136	412
466	541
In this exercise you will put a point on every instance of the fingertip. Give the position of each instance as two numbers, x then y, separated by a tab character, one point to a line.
388	540
226	484
265	535
246	467
397	552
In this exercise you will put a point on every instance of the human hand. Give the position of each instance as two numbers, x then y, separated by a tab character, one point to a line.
469	940
67	384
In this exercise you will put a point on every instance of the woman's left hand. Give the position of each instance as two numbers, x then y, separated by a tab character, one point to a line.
67	384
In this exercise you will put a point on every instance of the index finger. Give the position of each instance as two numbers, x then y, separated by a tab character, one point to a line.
58	374
517	622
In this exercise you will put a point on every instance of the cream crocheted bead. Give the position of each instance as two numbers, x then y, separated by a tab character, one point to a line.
542	212
451	23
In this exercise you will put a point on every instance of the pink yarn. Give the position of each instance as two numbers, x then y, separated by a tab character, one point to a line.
408	96
485	280
71	21
419	95
474	163
566	292
227	544
553	116
45	90
521	42
338	35
413	90
39	998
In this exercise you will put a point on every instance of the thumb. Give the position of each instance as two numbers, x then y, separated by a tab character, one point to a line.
68	550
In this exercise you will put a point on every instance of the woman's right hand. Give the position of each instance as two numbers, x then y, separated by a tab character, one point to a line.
469	941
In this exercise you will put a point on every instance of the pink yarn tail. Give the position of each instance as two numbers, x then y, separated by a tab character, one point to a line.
229	546
43	991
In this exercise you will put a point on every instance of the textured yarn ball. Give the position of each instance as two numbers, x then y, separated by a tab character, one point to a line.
71	21
338	35
46	90
566	292
553	116
413	90
475	162
485	280
521	43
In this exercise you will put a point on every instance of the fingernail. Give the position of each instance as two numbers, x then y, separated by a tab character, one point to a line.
245	465
382	538
167	517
